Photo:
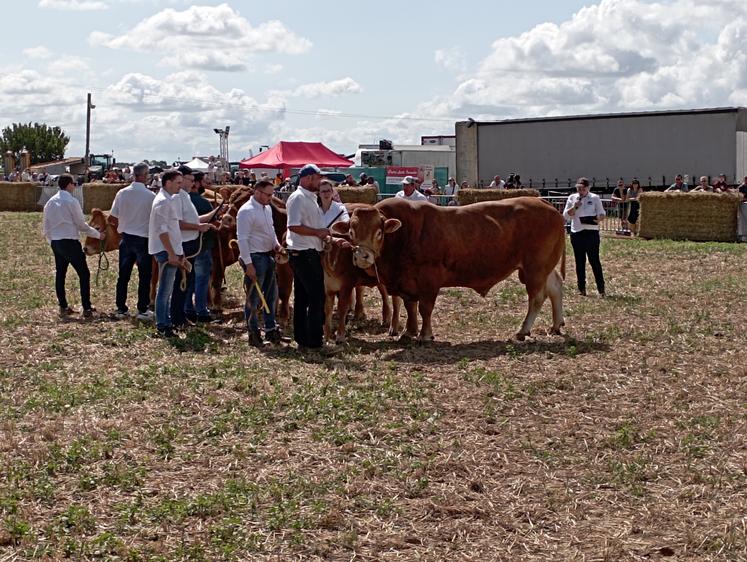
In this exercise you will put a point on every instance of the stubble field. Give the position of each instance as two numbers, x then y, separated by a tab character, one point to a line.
626	439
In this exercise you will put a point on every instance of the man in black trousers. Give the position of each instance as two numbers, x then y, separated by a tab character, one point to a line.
63	220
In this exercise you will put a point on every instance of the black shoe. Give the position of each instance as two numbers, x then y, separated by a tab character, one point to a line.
602	294
167	333
276	336
209	318
255	339
88	312
582	292
66	311
191	316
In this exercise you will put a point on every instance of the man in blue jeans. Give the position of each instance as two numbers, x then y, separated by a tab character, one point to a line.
257	245
130	215
165	243
196	304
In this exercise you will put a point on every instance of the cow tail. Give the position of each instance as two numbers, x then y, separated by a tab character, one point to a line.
562	259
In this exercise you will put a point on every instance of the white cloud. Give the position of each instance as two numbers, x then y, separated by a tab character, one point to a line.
313	90
77	5
617	55
205	37
452	59
39	52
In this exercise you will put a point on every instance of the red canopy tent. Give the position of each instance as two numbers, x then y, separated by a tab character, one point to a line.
287	155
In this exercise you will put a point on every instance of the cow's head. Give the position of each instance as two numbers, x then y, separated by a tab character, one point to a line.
366	230
92	246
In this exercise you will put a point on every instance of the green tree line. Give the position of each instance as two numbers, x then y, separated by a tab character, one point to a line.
45	143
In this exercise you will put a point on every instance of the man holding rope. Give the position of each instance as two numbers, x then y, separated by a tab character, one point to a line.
258	245
63	220
165	244
192	227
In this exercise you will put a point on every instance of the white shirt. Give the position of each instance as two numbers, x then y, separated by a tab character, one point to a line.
591	206
255	230
333	212
414	196
132	207
63	218
163	219
500	185
185	211
451	189
303	210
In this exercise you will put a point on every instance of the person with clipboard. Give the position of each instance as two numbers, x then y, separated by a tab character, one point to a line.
585	211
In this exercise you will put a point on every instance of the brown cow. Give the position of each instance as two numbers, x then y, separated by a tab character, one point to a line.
418	248
99	221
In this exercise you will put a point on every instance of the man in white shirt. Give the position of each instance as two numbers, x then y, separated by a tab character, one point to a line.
258	245
130	215
192	226
165	244
408	190
498	183
585	211
63	220
306	230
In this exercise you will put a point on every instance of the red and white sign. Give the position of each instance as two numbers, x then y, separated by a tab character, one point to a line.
395	174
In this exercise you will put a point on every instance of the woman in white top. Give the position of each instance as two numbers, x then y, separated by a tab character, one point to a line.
332	211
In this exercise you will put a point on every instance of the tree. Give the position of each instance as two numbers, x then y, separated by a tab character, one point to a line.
45	143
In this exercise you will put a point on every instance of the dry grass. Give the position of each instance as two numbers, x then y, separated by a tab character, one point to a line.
625	440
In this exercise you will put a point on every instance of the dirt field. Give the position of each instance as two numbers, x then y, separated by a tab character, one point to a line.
624	440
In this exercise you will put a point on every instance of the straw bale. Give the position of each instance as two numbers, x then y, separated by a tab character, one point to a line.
100	195
689	216
19	196
471	195
350	194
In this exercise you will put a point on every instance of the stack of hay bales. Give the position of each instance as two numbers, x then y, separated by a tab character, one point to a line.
99	195
350	194
701	217
469	196
19	196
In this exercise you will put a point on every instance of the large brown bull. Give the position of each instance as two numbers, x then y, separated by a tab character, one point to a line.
417	248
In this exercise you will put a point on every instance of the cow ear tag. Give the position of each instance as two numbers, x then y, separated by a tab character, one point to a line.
391	225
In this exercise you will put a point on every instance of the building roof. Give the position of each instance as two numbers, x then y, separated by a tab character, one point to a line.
63	162
611	115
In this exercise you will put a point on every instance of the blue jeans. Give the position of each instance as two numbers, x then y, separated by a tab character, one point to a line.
134	250
198	286
166	277
264	264
178	297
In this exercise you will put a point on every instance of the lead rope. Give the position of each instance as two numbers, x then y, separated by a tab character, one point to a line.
102	256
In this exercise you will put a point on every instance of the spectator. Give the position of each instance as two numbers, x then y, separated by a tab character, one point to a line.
350	180
743	188
363	179
498	183
62	221
619	197
278	181
634	191
130	215
430	195
371	182
408	190
585	211
703	185
721	185
678	185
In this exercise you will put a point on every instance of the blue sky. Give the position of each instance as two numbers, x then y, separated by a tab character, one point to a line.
164	73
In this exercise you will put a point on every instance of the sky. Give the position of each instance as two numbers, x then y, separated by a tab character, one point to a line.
164	73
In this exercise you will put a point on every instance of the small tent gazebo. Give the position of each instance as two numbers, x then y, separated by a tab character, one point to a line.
286	155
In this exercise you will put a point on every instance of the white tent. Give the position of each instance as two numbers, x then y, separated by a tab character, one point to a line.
197	165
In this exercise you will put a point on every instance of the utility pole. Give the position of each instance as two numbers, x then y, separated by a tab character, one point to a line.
89	107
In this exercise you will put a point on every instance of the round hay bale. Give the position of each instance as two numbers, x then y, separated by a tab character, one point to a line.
704	217
19	196
471	195
350	194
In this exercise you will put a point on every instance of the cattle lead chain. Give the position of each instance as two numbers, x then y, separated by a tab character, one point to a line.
102	255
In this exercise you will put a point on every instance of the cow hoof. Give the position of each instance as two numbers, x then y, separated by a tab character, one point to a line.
341	339
393	333
555	332
521	337
405	338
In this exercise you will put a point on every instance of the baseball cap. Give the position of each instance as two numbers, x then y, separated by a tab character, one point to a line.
309	170
409	180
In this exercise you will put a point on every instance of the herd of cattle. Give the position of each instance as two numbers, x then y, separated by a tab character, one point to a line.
409	250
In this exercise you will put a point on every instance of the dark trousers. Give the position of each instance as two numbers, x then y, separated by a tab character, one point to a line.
308	311
69	252
179	296
586	244
134	250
